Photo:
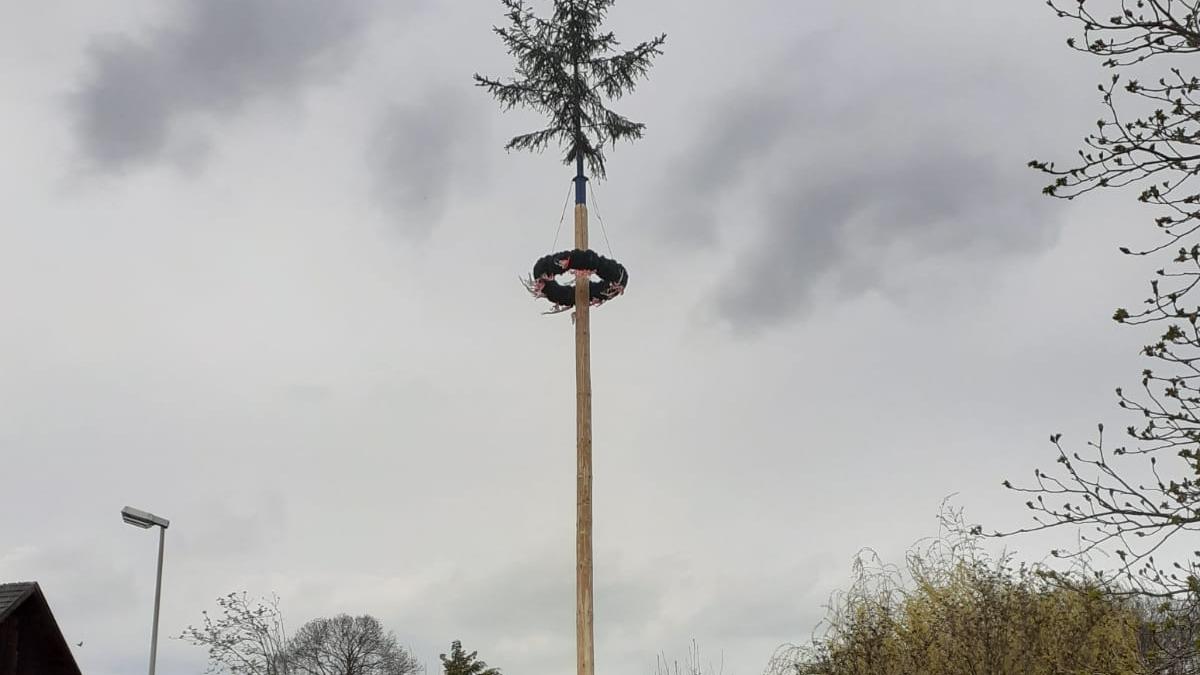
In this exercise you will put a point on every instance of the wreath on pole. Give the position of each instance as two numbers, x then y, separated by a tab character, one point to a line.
543	283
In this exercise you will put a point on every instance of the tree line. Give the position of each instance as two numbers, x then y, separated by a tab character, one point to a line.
248	637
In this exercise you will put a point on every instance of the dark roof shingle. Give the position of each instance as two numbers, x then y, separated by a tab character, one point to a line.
12	595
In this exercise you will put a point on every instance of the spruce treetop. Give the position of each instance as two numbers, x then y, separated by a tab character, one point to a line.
460	662
568	68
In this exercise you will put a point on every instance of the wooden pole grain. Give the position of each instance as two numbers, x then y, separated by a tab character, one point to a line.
585	650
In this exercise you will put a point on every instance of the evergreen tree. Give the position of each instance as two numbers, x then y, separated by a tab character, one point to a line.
567	68
459	662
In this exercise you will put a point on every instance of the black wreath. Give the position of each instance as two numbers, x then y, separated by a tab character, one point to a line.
543	283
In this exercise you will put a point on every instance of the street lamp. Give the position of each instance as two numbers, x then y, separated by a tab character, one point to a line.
146	520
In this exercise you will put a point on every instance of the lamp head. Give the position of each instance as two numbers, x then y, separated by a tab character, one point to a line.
142	519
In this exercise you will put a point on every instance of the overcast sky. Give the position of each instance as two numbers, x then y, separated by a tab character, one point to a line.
258	274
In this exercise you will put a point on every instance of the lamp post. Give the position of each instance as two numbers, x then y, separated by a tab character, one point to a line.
146	520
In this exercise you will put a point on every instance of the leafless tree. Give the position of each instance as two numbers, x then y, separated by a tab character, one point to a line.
346	645
248	638
1129	500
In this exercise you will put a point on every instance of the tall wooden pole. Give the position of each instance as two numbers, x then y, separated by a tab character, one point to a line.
585	652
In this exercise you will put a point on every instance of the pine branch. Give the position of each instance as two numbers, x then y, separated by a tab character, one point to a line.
565	69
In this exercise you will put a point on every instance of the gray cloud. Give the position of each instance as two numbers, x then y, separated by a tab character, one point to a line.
91	585
217	57
843	232
419	148
842	183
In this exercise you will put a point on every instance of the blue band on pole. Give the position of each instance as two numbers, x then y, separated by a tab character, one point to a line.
580	181
581	189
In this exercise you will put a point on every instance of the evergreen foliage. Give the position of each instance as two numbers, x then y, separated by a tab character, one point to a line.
567	67
459	662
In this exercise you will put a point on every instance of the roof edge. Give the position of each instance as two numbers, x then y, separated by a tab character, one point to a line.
28	588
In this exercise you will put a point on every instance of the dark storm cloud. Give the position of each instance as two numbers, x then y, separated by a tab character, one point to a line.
418	149
842	171
217	56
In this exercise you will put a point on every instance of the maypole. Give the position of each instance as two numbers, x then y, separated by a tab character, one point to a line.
585	657
567	68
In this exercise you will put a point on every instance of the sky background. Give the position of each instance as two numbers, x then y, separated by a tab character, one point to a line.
258	274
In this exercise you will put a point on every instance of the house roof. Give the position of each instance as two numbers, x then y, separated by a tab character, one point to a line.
52	655
12	595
